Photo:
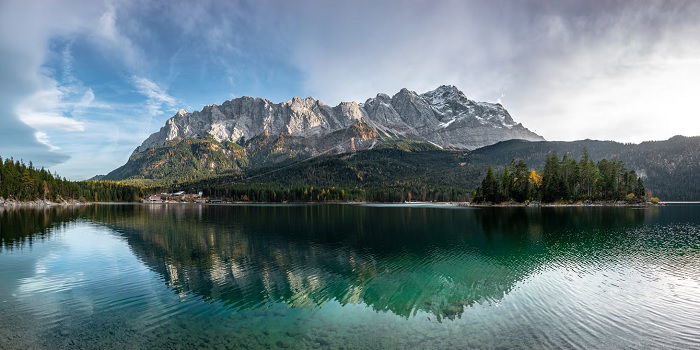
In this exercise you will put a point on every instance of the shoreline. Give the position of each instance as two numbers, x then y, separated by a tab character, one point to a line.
573	205
455	204
39	203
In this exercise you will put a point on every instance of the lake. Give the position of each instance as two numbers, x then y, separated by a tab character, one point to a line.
349	276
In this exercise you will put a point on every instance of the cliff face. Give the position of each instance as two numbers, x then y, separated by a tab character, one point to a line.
444	116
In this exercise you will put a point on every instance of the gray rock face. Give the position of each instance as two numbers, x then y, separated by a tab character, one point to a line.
444	116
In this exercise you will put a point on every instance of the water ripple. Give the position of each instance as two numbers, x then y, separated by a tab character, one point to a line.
357	276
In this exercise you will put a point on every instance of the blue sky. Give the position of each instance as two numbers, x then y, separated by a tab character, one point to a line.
82	83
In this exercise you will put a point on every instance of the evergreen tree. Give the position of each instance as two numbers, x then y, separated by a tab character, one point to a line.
521	187
639	190
551	179
589	175
489	186
569	178
506	184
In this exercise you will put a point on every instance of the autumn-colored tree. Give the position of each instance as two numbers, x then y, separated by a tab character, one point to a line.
535	179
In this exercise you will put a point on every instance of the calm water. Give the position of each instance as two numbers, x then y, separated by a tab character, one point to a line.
349	276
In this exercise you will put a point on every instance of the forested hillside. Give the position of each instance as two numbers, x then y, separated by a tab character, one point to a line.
670	168
400	171
184	160
23	182
395	170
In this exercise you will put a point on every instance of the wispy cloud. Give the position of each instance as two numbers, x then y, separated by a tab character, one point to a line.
567	69
51	120
45	108
110	38
44	139
157	99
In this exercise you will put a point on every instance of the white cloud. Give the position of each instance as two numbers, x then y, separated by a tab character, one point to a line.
653	99
51	120
44	109
87	99
157	99
419	46
568	70
107	35
26	28
42	138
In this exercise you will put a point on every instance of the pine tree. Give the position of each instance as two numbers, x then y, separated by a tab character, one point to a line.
489	186
506	184
551	189
588	176
639	190
569	178
521	191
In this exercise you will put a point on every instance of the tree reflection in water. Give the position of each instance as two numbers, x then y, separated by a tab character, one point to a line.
397	259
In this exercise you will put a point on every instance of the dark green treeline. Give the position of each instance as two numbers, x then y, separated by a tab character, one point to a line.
24	182
562	180
278	193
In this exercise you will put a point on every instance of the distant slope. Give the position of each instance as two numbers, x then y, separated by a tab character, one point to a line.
182	159
397	164
671	168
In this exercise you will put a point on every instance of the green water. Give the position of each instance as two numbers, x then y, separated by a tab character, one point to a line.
349	276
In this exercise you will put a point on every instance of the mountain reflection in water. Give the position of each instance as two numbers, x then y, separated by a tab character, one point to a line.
399	259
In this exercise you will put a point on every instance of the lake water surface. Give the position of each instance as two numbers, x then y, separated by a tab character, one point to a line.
349	276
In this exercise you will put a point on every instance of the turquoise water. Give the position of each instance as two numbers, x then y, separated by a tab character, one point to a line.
349	276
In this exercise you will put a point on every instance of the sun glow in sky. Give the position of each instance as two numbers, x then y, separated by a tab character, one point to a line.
82	83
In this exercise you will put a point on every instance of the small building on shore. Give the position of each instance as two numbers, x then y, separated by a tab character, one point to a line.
179	196
155	198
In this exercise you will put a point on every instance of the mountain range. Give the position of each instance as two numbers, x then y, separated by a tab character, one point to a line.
439	138
444	116
248	133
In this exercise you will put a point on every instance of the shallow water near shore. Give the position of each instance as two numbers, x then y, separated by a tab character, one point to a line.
349	276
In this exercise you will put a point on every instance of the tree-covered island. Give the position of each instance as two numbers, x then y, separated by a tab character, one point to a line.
563	180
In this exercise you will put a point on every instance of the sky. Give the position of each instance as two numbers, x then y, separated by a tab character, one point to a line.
83	83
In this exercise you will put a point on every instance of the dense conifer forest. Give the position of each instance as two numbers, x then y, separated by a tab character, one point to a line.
24	182
562	180
279	193
406	179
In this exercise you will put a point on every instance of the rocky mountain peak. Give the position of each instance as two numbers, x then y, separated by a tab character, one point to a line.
443	116
405	93
383	97
444	92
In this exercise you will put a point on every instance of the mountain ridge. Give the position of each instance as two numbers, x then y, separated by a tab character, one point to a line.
444	116
407	140
251	132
